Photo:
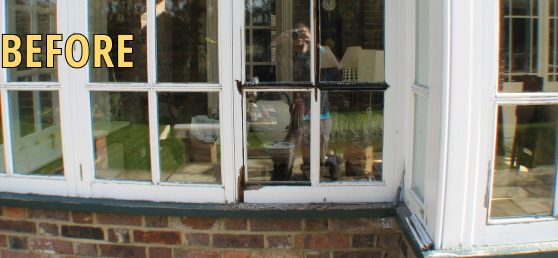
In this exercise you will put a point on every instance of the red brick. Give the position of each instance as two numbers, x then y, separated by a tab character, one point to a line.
85	249
48	229
119	235
15	212
18	254
82	217
317	255
388	241
122	251
197	239
237	254
322	241
200	223
118	219
17	242
236	224
357	254
156	221
83	232
316	225
184	253
51	246
364	240
364	224
160	252
18	226
48	214
238	241
276	225
158	237
277	255
3	241
280	241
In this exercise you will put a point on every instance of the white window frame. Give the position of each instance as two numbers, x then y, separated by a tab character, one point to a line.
393	154
473	101
427	210
74	89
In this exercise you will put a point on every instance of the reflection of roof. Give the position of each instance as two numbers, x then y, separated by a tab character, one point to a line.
159	9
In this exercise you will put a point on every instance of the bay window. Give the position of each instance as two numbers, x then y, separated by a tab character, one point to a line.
285	103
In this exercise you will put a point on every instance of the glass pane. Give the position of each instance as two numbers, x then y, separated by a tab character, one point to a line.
352	40
419	147
114	18
278	135
521	7
279	39
32	17
524	176
351	135
36	141
187	41
423	34
189	137
121	135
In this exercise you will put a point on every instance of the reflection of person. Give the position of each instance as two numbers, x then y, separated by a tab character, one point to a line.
299	134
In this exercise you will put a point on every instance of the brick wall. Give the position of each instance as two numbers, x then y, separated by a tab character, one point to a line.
26	232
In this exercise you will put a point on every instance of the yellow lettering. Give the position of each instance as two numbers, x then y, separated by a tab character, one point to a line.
104	52
124	50
84	51
7	50
51	50
32	50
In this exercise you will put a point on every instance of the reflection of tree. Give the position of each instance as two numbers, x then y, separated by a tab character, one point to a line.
261	11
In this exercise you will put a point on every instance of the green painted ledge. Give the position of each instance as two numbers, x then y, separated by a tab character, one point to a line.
242	210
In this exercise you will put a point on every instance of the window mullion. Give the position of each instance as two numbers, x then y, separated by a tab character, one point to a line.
315	139
151	80
7	133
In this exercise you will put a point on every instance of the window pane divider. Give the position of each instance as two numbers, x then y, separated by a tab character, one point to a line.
188	85
152	95
7	133
117	85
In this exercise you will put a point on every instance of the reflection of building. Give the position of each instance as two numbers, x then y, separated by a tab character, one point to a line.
164	159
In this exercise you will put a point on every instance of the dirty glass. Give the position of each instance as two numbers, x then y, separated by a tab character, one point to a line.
524	178
420	146
351	40
36	135
32	17
114	18
187	41
278	135
189	137
351	135
278	41
121	135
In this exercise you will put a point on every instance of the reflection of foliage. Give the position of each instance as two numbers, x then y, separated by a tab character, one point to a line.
108	108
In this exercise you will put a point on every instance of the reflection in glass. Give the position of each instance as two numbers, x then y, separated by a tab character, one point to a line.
32	17
352	41
278	41
351	135
121	135
524	176
189	137
36	138
521	53
120	17
187	41
278	135
419	146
